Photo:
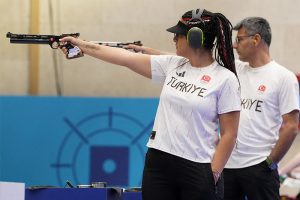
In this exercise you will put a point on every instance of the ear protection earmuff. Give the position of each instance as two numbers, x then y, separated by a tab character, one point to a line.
195	35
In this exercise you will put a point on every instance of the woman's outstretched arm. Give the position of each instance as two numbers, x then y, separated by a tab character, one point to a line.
139	63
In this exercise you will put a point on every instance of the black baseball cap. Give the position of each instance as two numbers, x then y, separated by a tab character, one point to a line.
182	27
179	28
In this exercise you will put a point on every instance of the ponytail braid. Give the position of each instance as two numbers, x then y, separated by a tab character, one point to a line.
223	49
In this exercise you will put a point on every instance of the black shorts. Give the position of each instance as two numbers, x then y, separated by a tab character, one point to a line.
169	177
257	182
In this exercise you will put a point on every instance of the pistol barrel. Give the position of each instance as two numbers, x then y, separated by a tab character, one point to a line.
28	39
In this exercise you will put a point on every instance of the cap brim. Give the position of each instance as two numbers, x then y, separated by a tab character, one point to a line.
179	28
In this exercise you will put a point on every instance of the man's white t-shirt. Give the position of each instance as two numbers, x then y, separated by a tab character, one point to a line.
187	122
267	93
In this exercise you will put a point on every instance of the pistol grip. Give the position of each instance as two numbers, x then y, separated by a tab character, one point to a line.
73	51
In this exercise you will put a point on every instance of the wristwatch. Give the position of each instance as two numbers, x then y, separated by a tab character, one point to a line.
271	164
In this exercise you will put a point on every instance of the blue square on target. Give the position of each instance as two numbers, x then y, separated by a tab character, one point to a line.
109	164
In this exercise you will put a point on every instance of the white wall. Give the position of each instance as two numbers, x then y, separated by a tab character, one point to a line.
122	20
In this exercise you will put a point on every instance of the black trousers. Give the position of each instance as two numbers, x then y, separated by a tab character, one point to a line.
168	177
257	182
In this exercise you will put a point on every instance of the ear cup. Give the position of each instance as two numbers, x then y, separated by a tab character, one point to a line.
195	37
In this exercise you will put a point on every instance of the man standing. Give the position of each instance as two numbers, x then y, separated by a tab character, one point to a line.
269	116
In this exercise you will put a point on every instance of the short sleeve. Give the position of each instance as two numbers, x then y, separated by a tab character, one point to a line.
230	96
289	94
159	68
161	65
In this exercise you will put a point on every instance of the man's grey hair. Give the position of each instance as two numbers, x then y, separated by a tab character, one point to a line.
256	25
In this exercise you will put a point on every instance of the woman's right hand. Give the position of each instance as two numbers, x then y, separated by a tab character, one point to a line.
135	48
69	48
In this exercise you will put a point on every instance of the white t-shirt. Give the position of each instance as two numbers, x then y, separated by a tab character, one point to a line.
186	122
267	93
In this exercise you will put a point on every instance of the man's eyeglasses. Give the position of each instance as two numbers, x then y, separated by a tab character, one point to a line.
238	39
